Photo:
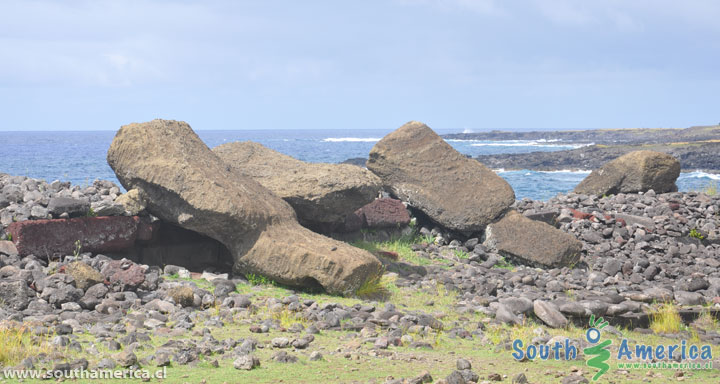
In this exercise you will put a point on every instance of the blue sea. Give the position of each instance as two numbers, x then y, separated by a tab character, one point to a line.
80	157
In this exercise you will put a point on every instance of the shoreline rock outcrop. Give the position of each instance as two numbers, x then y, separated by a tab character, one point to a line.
321	194
634	172
422	169
187	184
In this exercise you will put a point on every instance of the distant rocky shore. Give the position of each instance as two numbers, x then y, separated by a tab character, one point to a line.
632	136
696	147
701	156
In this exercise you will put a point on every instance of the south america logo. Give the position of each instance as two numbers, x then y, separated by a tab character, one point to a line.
601	350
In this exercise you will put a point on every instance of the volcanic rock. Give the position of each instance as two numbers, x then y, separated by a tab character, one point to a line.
133	201
73	207
187	184
84	275
422	169
47	238
383	213
532	242
637	171
321	194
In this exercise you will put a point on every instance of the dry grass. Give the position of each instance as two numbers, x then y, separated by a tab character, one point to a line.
666	319
287	318
17	343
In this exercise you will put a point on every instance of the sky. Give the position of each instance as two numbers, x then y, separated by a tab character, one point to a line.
453	64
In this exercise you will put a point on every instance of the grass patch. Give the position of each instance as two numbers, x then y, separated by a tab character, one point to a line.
258	279
200	283
377	287
504	264
696	234
402	246
18	344
666	319
287	318
460	254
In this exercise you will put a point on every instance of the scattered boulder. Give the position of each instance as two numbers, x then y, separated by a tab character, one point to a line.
84	275
73	207
126	359
422	169
52	238
246	362
124	273
321	194
549	314
532	242
8	248
637	171
14	294
188	185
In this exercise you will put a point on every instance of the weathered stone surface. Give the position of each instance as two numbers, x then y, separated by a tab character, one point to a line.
421	168
84	275
14	294
637	171
321	194
549	314
133	201
124	273
532	242
73	207
384	213
45	238
187	184
182	295
8	248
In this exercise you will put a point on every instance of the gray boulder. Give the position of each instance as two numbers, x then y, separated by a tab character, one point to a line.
321	194
422	169
532	242
637	171
549	314
73	207
14	294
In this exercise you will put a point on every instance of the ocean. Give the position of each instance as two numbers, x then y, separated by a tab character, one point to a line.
80	157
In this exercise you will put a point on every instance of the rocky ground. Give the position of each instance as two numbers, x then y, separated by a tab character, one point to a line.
446	308
692	156
628	136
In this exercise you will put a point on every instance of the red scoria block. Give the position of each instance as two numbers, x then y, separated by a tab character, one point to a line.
384	213
52	238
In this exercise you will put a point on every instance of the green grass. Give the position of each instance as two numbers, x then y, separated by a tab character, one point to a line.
200	283
504	264
696	234
256	279
460	254
402	246
377	287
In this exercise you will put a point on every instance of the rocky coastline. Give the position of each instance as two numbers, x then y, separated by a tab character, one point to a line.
119	276
699	156
694	147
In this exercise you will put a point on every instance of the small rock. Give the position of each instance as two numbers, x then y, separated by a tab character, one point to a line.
246	362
